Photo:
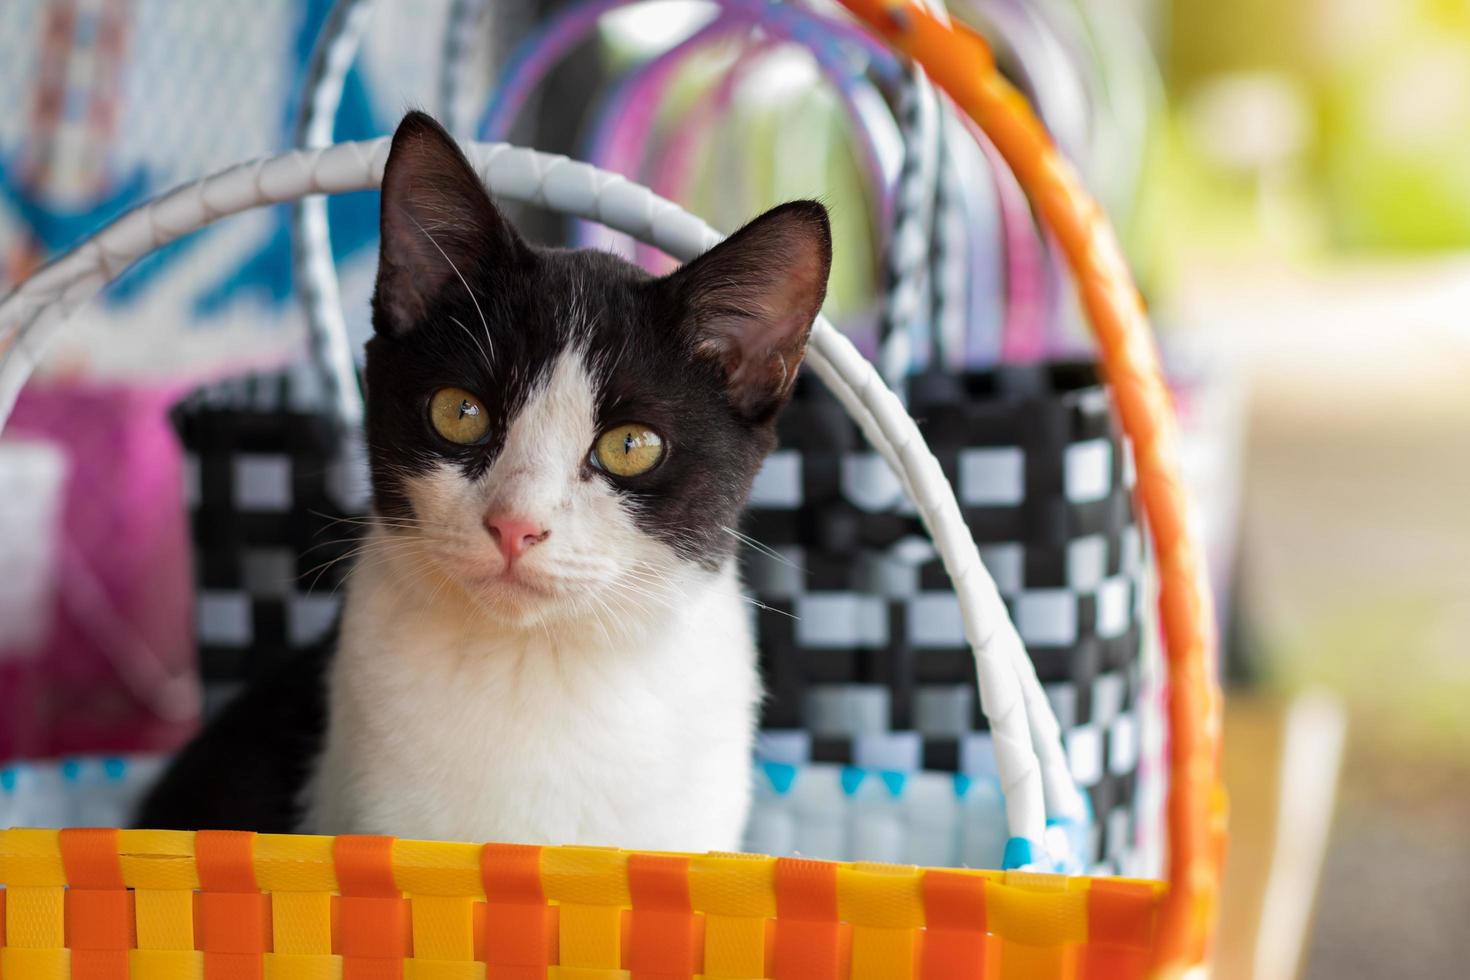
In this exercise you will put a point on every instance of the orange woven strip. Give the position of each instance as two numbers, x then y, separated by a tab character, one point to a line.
810	942
364	866
2	932
232	919
225	860
90	859
374	931
665	936
1121	919
960	62
955	941
99	914
520	929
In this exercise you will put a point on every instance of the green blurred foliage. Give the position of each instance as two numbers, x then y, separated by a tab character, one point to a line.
1386	86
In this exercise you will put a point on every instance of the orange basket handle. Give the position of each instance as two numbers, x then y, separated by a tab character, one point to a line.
959	61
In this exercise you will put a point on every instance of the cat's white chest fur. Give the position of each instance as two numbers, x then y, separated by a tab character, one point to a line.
443	726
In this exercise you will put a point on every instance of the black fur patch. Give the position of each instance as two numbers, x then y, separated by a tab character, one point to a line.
248	769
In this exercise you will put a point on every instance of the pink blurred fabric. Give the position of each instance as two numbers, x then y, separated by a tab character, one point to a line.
116	671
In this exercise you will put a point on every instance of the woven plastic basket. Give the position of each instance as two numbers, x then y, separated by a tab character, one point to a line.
105	904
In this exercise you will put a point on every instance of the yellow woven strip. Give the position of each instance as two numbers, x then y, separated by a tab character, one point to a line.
1021	962
443	928
437	868
581	973
287	966
734	948
741	885
417	969
1037	910
160	860
165	919
31	857
301	923
35	964
35	918
881	895
1039	881
882	954
165	964
585	875
294	863
591	936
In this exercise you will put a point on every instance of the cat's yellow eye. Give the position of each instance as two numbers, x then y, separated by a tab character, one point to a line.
458	416
628	450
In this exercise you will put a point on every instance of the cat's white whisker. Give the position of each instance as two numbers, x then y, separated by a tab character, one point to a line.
362	547
464	282
444	579
761	605
489	363
373	520
654	587
358	565
764	549
597	617
667	602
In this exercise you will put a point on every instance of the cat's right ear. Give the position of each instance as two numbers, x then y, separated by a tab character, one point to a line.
749	303
439	230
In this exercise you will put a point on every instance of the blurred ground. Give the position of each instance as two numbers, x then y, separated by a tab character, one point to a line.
1395	896
1357	546
1356	575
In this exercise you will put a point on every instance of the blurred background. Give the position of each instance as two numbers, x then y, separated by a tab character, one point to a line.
1291	181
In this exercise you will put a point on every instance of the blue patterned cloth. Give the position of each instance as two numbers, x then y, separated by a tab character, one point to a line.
75	792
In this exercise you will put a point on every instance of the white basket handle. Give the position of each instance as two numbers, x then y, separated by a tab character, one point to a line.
332	57
1035	789
311	237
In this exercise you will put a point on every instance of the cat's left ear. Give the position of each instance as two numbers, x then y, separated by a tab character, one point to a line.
749	302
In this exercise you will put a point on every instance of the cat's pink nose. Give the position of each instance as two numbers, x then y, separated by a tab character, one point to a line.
515	535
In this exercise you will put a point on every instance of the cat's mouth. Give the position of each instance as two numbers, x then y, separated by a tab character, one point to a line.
523	587
517	580
512	584
511	597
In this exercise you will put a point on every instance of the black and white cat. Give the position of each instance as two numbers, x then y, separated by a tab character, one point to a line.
544	638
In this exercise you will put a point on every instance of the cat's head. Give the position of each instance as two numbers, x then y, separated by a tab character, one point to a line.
557	432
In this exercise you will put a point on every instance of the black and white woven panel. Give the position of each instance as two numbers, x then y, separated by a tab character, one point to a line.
269	485
862	648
